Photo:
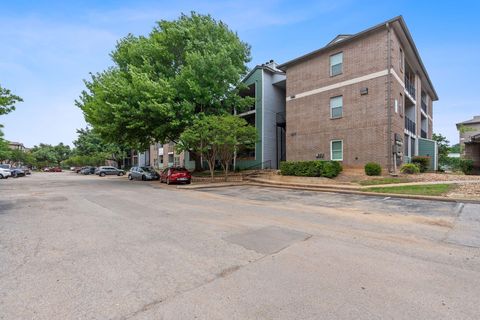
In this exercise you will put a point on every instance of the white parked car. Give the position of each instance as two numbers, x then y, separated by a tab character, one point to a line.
5	173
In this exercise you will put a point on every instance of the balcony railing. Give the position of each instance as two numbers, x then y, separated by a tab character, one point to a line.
409	125
424	106
423	134
410	87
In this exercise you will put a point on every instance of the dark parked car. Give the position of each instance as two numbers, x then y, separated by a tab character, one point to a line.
88	170
143	173
107	170
26	170
17	172
176	175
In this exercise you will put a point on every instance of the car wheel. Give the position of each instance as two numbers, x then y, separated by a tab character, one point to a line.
120	174
102	174
1	176
144	178
188	182
130	177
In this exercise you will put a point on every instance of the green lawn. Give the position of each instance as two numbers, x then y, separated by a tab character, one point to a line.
426	189
386	180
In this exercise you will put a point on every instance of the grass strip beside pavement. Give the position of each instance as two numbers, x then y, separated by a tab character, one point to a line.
387	180
423	189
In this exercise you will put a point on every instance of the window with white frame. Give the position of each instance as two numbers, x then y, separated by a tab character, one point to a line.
336	150
336	107
336	64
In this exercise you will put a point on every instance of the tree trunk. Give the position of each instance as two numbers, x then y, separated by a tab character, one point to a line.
211	166
226	171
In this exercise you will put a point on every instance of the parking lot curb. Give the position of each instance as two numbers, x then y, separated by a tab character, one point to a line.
211	185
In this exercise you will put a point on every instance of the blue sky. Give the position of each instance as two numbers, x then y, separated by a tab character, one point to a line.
48	47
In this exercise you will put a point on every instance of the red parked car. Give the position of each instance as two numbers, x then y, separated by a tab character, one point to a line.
176	175
54	169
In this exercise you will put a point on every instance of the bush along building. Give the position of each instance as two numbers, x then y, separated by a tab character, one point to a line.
362	98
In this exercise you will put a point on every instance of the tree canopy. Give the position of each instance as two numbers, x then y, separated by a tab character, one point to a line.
7	105
48	155
90	143
7	101
161	82
4	148
91	149
217	137
443	146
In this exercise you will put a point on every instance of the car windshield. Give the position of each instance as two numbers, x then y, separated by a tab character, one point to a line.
180	169
148	169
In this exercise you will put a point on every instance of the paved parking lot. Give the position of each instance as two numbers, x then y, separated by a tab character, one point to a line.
84	247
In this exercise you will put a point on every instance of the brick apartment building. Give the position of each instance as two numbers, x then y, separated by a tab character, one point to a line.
470	140
361	98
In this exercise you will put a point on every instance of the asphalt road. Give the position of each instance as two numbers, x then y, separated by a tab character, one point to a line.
84	247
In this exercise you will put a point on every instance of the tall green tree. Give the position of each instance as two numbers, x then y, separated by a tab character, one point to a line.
4	148
7	105
234	134
7	101
217	138
48	155
91	149
443	147
88	143
455	148
161	82
17	156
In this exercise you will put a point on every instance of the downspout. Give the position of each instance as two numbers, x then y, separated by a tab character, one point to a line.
235	149
389	96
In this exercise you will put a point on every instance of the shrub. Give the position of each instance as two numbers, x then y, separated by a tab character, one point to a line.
422	162
373	169
410	168
466	165
331	169
316	168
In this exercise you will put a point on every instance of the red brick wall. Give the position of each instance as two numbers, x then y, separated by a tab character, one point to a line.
363	127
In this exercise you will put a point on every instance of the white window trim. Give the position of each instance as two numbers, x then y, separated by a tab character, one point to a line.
331	108
331	150
331	66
